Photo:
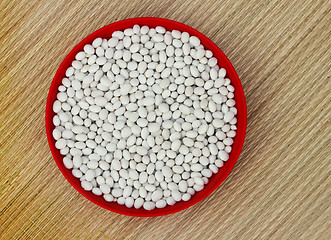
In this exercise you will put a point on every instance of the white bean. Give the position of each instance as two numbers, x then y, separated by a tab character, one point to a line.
145	117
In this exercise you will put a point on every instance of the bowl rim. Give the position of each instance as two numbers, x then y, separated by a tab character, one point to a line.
215	180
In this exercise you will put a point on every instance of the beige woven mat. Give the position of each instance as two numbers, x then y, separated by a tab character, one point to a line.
279	187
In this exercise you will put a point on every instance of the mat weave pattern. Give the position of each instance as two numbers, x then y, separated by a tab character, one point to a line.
280	186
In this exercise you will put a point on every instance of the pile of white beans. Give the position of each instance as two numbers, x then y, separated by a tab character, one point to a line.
145	118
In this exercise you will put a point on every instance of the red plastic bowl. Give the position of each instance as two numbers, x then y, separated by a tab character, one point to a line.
215	180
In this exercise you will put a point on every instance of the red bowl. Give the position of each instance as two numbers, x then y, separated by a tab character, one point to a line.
239	97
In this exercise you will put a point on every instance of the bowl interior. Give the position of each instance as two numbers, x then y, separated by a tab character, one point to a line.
215	180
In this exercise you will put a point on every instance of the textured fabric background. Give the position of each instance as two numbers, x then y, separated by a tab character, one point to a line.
280	186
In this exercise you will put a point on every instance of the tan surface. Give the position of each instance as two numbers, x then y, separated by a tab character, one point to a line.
279	187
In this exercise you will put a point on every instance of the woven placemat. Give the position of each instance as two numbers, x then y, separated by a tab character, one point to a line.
279	189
